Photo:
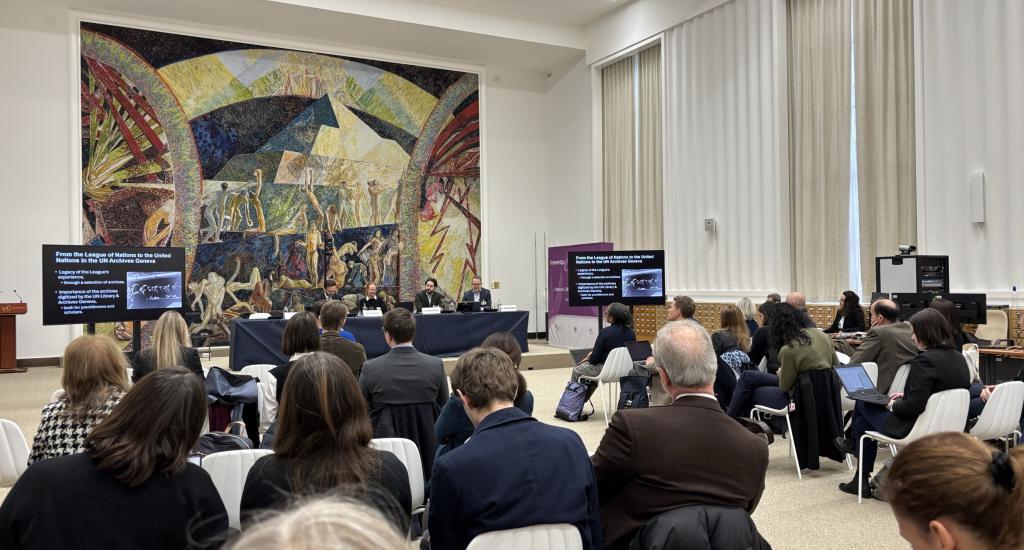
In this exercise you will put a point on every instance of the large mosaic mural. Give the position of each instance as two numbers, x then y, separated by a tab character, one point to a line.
278	169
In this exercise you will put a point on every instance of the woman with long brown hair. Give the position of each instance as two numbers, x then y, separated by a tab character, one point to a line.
322	446
950	490
132	488
94	380
170	348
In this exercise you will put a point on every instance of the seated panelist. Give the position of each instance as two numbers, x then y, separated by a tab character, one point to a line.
371	301
430	296
478	294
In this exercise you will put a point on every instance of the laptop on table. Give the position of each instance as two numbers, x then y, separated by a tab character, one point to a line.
859	386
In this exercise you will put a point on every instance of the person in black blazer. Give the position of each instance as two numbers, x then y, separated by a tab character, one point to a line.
478	294
514	471
937	368
301	337
430	296
170	348
849	317
615	335
370	300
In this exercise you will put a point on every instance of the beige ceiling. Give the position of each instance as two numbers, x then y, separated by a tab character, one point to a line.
575	13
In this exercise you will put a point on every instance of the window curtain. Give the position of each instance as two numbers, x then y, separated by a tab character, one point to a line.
819	144
649	207
884	81
618	142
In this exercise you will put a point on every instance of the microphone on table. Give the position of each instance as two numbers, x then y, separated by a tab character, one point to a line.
18	295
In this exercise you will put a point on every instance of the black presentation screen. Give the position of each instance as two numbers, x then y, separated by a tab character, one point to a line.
633	277
98	284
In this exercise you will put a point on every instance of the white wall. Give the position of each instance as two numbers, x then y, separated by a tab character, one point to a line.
970	117
36	151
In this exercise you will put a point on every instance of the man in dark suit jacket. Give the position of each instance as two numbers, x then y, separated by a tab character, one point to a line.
332	318
888	343
478	294
430	296
690	452
514	471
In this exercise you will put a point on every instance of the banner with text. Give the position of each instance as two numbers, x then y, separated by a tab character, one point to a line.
570	327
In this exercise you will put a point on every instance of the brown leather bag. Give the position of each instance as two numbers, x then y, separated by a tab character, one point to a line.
757	427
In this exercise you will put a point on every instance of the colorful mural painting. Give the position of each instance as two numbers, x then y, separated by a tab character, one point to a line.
278	169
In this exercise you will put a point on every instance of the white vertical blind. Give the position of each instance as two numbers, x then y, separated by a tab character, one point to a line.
725	132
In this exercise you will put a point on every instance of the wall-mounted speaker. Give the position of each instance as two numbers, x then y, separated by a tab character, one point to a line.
976	189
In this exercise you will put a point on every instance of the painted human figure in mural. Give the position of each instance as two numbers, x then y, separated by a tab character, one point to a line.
314	246
254	199
212	288
307	188
355	196
238	210
371	255
357	274
215	214
374	189
389	269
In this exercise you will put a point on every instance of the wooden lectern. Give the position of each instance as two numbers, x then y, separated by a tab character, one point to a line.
8	336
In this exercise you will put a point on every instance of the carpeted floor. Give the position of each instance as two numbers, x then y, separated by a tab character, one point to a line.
793	514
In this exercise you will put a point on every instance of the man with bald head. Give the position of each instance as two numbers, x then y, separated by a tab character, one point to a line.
889	343
797	300
690	452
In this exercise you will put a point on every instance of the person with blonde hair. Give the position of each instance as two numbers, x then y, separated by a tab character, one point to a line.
322	524
94	380
949	490
749	314
170	348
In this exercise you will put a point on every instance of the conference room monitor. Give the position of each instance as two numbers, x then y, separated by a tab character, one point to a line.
632	277
98	284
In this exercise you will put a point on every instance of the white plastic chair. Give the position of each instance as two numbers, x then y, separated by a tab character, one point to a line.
946	411
995	327
759	410
843	358
973	357
1002	411
228	471
266	398
558	536
13	453
407	452
899	381
763	365
616	365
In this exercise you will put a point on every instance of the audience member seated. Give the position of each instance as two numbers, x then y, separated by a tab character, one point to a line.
453	427
371	301
797	300
950	490
171	348
937	368
761	341
514	471
849	316
94	379
731	344
889	343
682	308
774	297
132	488
430	296
478	294
615	335
405	389
660	458
301	337
948	310
322	446
322	524
749	314
333	337
801	350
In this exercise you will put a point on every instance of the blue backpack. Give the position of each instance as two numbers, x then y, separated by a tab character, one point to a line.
570	405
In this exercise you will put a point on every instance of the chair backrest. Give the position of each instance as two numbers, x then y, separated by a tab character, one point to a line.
763	365
899	381
973	358
228	470
843	358
13	453
266	398
616	365
996	326
1002	411
946	411
409	454
260	370
557	536
872	370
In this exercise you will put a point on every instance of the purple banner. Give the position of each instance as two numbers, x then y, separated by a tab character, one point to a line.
574	328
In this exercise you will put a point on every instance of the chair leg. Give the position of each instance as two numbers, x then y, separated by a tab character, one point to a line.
604	401
860	469
849	462
792	448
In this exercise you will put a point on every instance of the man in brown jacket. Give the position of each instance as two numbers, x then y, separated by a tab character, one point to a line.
332	318
690	452
888	343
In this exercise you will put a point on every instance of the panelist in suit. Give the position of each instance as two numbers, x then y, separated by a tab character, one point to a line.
660	458
849	317
370	300
478	294
331	290
514	471
430	296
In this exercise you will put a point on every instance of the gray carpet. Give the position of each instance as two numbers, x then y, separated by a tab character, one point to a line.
797	514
